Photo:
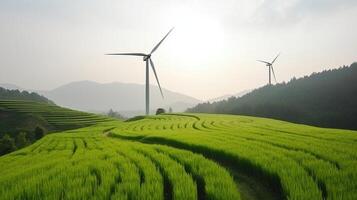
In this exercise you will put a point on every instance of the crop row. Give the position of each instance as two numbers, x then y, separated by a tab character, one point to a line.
85	164
305	162
56	116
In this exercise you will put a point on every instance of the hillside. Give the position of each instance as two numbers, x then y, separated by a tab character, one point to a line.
14	94
186	157
23	118
326	99
126	98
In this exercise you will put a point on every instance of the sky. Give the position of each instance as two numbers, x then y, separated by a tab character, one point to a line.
211	52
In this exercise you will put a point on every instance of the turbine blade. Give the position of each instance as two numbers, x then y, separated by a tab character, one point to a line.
157	79
157	46
126	54
272	69
275	58
263	61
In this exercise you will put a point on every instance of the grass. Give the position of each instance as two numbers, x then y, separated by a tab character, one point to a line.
86	164
303	162
181	156
55	117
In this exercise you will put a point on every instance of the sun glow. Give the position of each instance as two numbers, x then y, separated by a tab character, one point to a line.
197	36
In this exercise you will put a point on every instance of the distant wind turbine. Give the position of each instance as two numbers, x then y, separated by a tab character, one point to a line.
271	69
148	60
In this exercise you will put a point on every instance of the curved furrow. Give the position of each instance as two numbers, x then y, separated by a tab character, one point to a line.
213	182
296	167
323	160
150	179
275	143
310	171
182	184
323	150
317	145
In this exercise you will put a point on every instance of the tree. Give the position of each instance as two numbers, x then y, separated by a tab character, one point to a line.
21	140
114	114
111	113
7	144
39	133
24	95
160	111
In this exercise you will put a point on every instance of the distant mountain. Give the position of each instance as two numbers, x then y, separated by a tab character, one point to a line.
225	97
127	98
327	99
15	94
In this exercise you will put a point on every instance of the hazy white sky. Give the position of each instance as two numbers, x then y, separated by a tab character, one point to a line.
211	52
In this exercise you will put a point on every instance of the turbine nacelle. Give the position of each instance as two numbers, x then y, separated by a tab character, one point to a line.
145	58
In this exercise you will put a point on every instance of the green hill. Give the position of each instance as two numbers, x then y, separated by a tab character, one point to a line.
186	156
58	118
326	99
6	94
23	117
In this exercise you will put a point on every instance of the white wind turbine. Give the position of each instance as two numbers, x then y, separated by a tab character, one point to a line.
147	58
270	66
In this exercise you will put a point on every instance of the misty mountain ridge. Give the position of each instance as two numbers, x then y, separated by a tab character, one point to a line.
227	96
10	86
128	98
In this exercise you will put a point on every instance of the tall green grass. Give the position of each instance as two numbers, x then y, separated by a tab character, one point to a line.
58	117
304	162
86	164
170	157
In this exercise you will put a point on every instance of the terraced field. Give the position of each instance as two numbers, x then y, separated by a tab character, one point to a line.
185	156
58	117
85	164
301	162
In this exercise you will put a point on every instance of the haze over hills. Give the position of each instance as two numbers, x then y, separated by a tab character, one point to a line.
10	86
227	96
127	98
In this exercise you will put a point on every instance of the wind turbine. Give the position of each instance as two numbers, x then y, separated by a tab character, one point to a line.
271	69
148	60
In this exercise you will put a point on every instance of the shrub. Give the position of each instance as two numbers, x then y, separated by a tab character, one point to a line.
7	144
160	111
39	133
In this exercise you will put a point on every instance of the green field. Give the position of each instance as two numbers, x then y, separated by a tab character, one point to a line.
185	156
58	118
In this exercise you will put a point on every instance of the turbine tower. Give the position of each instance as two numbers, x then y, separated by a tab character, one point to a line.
270	66
148	60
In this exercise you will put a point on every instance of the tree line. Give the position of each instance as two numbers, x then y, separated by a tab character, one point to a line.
326	99
6	94
12	142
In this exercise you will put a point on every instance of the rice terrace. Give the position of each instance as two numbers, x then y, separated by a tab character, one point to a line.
178	100
184	156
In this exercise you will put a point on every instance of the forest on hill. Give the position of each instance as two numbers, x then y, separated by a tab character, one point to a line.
20	129
23	122
6	94
326	99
